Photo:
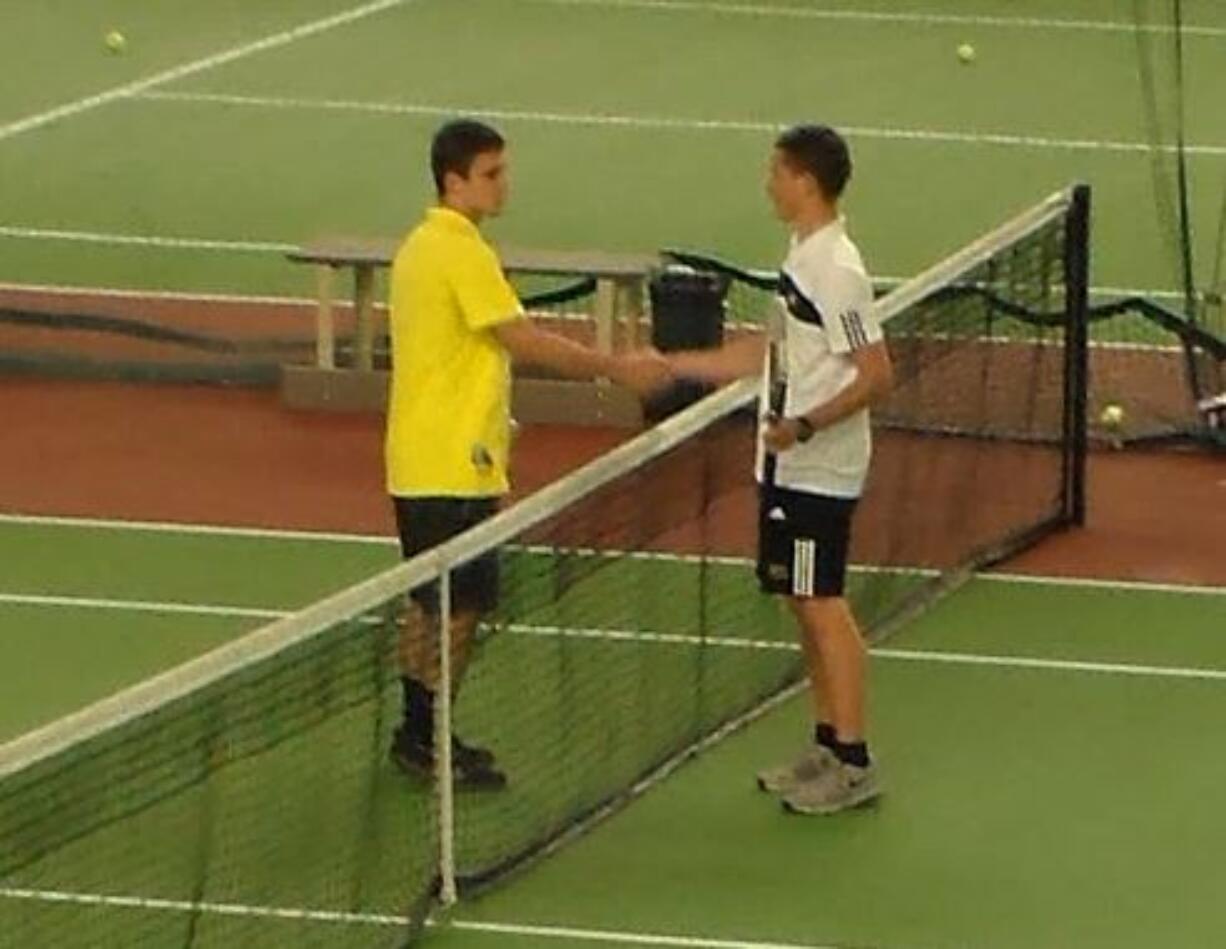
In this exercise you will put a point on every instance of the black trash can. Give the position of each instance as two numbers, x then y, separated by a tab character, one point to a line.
687	312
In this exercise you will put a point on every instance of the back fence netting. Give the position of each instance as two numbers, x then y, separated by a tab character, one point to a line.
1172	383
176	338
248	799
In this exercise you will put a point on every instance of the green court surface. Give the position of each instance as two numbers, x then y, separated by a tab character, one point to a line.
89	622
635	125
1050	750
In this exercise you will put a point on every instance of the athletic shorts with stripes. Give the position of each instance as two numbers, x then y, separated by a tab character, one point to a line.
803	542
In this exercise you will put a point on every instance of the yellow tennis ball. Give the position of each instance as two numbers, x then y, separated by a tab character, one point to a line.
116	42
1112	415
966	53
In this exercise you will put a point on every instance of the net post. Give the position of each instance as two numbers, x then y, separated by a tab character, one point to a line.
1076	352
442	746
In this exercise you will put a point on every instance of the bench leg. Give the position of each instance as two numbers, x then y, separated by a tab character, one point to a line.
363	303
629	310
325	328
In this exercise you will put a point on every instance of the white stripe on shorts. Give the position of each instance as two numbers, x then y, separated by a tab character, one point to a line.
803	557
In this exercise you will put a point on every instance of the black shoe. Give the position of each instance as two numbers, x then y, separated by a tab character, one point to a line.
413	757
472	769
475	768
479	756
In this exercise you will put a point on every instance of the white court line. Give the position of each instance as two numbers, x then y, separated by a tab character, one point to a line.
199	530
658	639
283	38
259	533
621	938
669	123
906	655
607	936
311	302
138	240
1055	665
174	296
307	303
867	16
1091	583
662	639
182	906
139	606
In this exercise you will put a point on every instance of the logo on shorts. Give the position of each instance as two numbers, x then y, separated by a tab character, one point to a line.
776	514
777	571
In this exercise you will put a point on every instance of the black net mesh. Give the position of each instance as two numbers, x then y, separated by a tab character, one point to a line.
255	810
630	625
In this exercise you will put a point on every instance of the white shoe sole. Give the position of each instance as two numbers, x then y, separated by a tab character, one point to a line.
862	795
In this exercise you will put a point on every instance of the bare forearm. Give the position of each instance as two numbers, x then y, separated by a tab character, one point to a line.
860	394
737	359
534	346
645	372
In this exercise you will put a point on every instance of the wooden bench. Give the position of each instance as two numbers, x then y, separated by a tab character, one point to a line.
617	311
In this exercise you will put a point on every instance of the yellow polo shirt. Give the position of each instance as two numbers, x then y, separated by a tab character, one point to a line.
448	420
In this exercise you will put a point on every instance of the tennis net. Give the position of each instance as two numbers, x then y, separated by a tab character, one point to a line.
246	798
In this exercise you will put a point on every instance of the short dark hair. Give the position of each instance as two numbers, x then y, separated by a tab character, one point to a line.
821	152
457	144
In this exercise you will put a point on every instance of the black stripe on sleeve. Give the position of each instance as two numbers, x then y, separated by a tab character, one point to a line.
853	329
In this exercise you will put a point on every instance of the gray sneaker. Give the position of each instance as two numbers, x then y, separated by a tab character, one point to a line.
816	760
835	789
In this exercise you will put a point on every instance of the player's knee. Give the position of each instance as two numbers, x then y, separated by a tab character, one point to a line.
818	602
822	612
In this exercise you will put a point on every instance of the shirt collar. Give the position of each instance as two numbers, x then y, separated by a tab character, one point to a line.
452	220
827	231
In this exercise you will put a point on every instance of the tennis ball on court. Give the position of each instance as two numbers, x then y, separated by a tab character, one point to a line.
115	42
966	53
1112	415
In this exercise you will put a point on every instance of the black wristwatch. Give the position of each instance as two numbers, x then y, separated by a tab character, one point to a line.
804	428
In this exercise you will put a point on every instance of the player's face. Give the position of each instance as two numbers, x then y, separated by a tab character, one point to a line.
486	187
784	186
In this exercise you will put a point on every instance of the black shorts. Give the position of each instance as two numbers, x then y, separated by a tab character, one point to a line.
803	542
424	523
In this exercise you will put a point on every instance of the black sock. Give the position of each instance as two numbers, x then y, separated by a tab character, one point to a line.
418	710
823	734
851	752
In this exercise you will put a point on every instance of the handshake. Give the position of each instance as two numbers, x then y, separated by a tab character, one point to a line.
645	371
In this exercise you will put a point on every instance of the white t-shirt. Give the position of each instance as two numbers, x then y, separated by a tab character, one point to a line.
826	300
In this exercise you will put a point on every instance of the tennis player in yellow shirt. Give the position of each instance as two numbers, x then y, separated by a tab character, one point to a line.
457	327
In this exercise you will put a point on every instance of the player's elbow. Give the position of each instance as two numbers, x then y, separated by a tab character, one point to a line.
518	338
876	371
884	383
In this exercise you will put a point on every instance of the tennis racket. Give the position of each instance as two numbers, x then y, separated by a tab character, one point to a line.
776	383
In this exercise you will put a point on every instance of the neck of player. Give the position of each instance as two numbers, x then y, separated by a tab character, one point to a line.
460	208
812	217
